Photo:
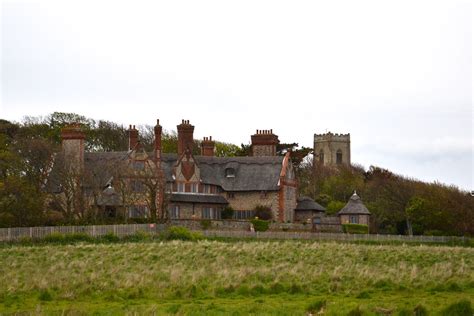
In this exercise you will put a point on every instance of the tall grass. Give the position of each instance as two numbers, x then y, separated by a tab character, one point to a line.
214	269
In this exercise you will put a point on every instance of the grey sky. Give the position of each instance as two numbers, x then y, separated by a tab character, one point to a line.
397	75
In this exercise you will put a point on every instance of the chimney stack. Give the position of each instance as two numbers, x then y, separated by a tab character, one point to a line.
72	142
158	129
207	146
185	137
264	143
132	137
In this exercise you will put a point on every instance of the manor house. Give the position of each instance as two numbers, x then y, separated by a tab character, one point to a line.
182	185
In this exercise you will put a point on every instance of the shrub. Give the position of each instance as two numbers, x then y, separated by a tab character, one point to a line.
139	236
227	213
77	237
206	224
110	237
260	225
55	238
180	233
263	212
355	228
461	308
334	206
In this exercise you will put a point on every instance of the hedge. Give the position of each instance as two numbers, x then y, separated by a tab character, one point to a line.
355	228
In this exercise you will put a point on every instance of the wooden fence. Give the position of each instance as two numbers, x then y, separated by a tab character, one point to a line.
18	233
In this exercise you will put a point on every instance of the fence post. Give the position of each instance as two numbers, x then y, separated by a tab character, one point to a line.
93	231
9	234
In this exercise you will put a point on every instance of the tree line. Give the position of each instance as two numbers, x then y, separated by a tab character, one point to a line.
399	205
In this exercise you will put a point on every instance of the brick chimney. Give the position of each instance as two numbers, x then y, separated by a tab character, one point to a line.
264	143
185	137
158	129
132	137
207	146
72	142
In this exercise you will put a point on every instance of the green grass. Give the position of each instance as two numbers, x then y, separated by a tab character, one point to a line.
241	277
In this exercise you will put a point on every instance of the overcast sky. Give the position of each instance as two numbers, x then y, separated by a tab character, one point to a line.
397	75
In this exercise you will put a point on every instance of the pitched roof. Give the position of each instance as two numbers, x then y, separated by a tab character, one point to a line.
198	198
305	203
354	206
251	173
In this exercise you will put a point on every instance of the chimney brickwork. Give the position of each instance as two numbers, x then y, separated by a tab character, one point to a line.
207	146
264	143
158	131
72	142
132	137
185	137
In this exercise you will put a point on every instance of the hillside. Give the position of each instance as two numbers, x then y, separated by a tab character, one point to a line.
399	205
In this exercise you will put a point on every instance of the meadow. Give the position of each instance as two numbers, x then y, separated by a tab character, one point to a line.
211	277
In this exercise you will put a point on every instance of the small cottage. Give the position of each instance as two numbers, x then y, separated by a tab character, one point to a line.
354	212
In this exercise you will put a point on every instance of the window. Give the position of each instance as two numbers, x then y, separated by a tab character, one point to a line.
263	194
174	211
354	219
321	156
339	157
194	187
139	165
230	173
206	188
137	211
211	213
180	186
244	214
230	195
137	186
317	220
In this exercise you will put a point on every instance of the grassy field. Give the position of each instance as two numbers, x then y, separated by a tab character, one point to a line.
244	277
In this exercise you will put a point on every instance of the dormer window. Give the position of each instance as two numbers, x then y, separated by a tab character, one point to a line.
230	173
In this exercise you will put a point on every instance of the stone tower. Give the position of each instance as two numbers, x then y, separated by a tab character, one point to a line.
332	149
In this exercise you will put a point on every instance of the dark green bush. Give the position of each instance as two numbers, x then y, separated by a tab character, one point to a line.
206	224
355	228
263	212
180	233
76	237
260	225
55	238
110	237
461	308
227	213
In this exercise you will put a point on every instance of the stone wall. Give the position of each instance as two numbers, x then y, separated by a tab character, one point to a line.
246	201
290	227
215	224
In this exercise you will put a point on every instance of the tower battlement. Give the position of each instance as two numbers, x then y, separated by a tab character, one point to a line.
332	137
332	149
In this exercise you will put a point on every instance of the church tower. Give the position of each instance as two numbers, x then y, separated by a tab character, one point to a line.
332	149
